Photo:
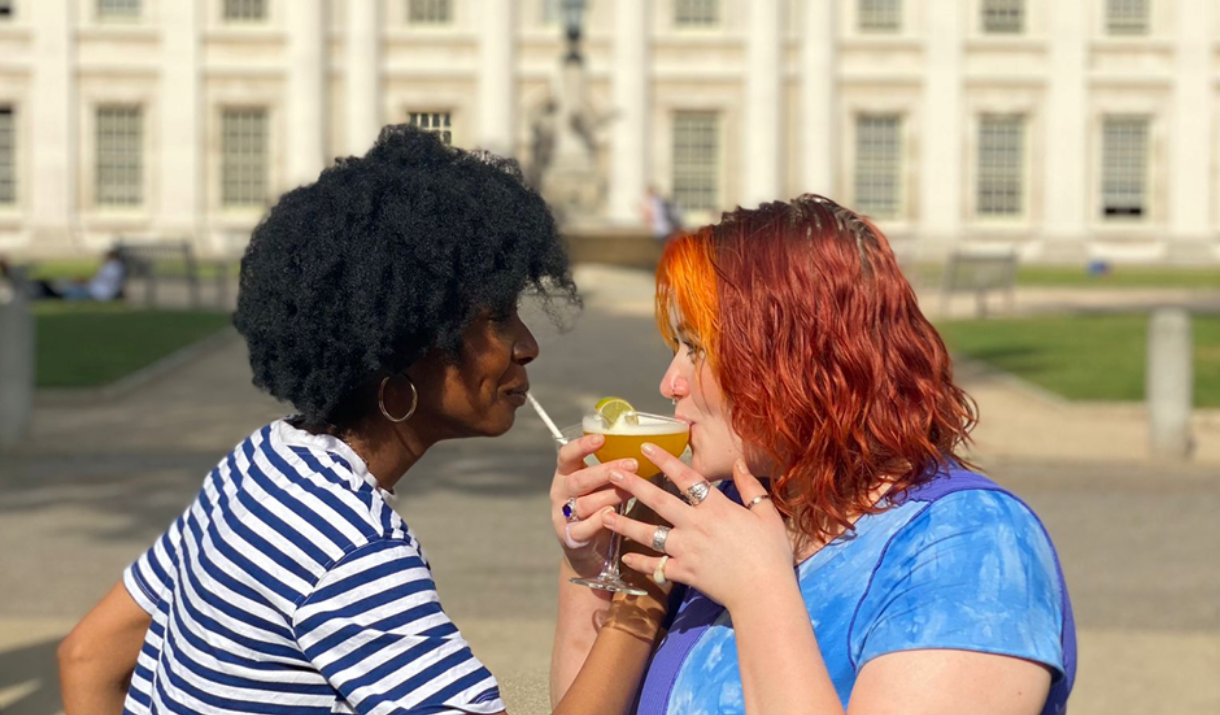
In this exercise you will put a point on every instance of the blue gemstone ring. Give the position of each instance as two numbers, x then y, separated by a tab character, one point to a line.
569	511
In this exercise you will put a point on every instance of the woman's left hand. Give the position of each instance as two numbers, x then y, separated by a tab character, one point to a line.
725	550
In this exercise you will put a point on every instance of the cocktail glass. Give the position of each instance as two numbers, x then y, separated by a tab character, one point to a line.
623	441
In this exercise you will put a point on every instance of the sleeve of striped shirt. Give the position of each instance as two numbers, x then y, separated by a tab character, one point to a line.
374	627
150	577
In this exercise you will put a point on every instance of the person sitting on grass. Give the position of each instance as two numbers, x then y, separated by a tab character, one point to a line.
106	284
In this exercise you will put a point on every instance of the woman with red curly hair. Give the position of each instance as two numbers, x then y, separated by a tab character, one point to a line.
871	570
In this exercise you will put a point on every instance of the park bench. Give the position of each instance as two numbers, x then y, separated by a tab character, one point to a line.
163	261
980	271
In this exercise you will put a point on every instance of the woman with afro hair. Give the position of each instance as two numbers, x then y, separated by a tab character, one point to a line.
381	302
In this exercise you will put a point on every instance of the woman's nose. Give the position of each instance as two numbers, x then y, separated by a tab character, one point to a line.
525	349
673	385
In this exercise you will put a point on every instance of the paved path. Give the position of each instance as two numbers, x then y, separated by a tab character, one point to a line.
95	485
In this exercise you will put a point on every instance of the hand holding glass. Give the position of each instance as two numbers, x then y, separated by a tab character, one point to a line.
623	441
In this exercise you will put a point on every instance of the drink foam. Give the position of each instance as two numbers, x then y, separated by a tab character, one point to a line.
649	425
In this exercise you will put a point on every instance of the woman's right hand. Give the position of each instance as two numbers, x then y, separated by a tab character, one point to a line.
585	541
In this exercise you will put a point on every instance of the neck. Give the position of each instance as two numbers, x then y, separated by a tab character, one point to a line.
388	449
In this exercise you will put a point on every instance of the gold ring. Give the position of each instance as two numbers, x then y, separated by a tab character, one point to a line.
658	575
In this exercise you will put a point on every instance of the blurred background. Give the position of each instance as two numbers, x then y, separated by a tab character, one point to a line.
1047	172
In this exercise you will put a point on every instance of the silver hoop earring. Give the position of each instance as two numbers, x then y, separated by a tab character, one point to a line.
675	401
381	399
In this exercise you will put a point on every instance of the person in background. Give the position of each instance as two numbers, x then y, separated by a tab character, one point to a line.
661	215
381	303
872	569
106	285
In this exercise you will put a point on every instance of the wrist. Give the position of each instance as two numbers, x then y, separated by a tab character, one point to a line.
779	593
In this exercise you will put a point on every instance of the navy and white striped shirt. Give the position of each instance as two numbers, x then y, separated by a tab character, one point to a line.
291	586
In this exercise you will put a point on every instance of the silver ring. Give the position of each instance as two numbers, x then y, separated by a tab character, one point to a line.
698	492
658	575
569	511
658	538
758	500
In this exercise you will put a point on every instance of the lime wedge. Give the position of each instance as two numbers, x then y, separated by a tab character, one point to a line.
613	409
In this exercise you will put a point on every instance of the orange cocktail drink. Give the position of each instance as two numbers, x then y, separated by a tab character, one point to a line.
624	439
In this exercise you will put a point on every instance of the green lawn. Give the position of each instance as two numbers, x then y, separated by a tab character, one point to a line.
1091	357
1035	276
90	344
83	268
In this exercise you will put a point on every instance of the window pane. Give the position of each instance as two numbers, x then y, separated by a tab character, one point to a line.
120	156
696	148
880	15
244	157
437	123
429	12
1124	167
1001	167
696	13
1127	17
245	10
118	9
879	165
1004	17
8	156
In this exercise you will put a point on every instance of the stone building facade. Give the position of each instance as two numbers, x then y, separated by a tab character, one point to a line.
1069	128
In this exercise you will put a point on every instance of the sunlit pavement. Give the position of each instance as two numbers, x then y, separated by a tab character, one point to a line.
97	483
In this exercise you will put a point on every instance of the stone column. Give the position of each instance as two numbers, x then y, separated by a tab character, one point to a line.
497	77
819	150
362	50
1170	383
629	159
764	106
940	182
1066	181
181	141
17	360
1190	185
53	126
307	82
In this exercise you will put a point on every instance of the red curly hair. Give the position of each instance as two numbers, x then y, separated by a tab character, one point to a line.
817	341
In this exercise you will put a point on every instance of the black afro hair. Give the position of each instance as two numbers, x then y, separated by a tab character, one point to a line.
384	258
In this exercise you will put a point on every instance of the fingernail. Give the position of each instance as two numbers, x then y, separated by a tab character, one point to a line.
648	448
616	476
630	464
741	466
597	440
609	517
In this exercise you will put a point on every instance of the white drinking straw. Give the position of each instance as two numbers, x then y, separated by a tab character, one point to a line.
550	424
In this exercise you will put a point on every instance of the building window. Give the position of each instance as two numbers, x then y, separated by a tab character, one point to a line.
245	10
879	165
1001	180
696	13
696	163
438	123
120	156
429	12
244	150
1003	17
1127	17
880	15
552	12
118	9
8	157
1124	167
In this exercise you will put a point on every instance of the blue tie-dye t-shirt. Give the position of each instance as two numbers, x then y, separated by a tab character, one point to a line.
957	563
